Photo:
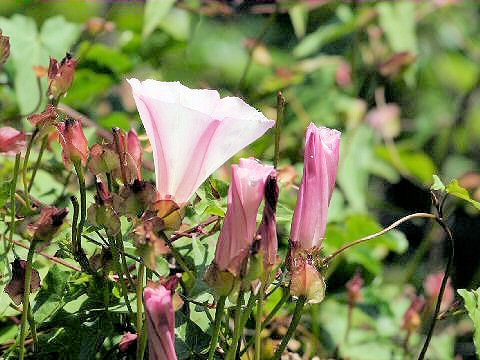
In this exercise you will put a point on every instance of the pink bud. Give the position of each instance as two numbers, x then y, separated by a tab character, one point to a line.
244	197
12	141
268	228
385	119
73	141
322	151
60	76
354	286
432	285
135	150
160	323
128	339
343	75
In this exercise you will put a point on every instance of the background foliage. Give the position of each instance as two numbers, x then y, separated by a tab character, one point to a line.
335	64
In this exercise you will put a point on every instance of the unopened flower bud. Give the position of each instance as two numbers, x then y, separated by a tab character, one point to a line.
135	151
101	214
412	317
12	141
16	287
4	48
60	76
73	141
385	119
354	286
343	75
128	342
48	223
432	286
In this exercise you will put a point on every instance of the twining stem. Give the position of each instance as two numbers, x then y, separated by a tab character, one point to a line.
297	314
447	230
258	323
140	332
83	202
267	320
38	162
118	265
216	327
327	259
237	332
77	250
26	299
278	126
25	167
13	188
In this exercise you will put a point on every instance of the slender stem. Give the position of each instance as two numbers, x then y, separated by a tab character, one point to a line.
33	328
26	299
451	255
77	250
116	259
25	167
178	257
248	309
121	154
49	257
232	352
83	203
291	329
140	332
121	250
258	324
278	126
216	327
76	208
327	259
13	188
38	162
278	306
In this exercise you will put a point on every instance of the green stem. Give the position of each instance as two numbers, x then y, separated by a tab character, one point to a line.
116	259
178	257
25	168
26	299
267	320
83	202
237	332
141	335
77	250
13	189
258	324
38	162
124	260
216	327
278	127
297	314
248	309
33	328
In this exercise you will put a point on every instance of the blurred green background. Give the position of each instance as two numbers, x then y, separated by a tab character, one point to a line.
399	79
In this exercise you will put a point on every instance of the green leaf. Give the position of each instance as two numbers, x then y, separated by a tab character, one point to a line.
4	192
155	12
472	304
106	56
299	17
191	340
456	190
437	184
115	119
58	35
87	87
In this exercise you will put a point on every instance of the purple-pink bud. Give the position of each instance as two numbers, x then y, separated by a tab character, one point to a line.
239	228
73	141
322	151
160	323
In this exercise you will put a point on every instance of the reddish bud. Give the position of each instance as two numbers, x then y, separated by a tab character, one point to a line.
412	319
4	48
12	141
44	119
16	287
73	141
432	286
97	25
397	63
60	76
47	224
128	340
135	150
385	119
354	286
343	75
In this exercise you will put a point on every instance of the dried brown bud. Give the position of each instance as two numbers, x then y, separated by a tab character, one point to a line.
47	224
4	48
16	287
60	76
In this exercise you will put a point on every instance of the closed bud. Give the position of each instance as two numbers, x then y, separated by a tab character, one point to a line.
385	119
128	342
354	286
135	151
73	141
47	224
4	48
412	317
16	287
12	141
432	286
60	76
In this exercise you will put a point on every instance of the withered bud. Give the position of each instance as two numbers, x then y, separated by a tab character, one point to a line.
148	242
103	159
134	199
45	120
97	25
354	286
101	214
104	260
4	48
47	224
16	287
60	76
412	319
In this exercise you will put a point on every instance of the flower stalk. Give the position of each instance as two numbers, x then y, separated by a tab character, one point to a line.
216	327
237	332
38	162
140	331
258	323
13	188
25	168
